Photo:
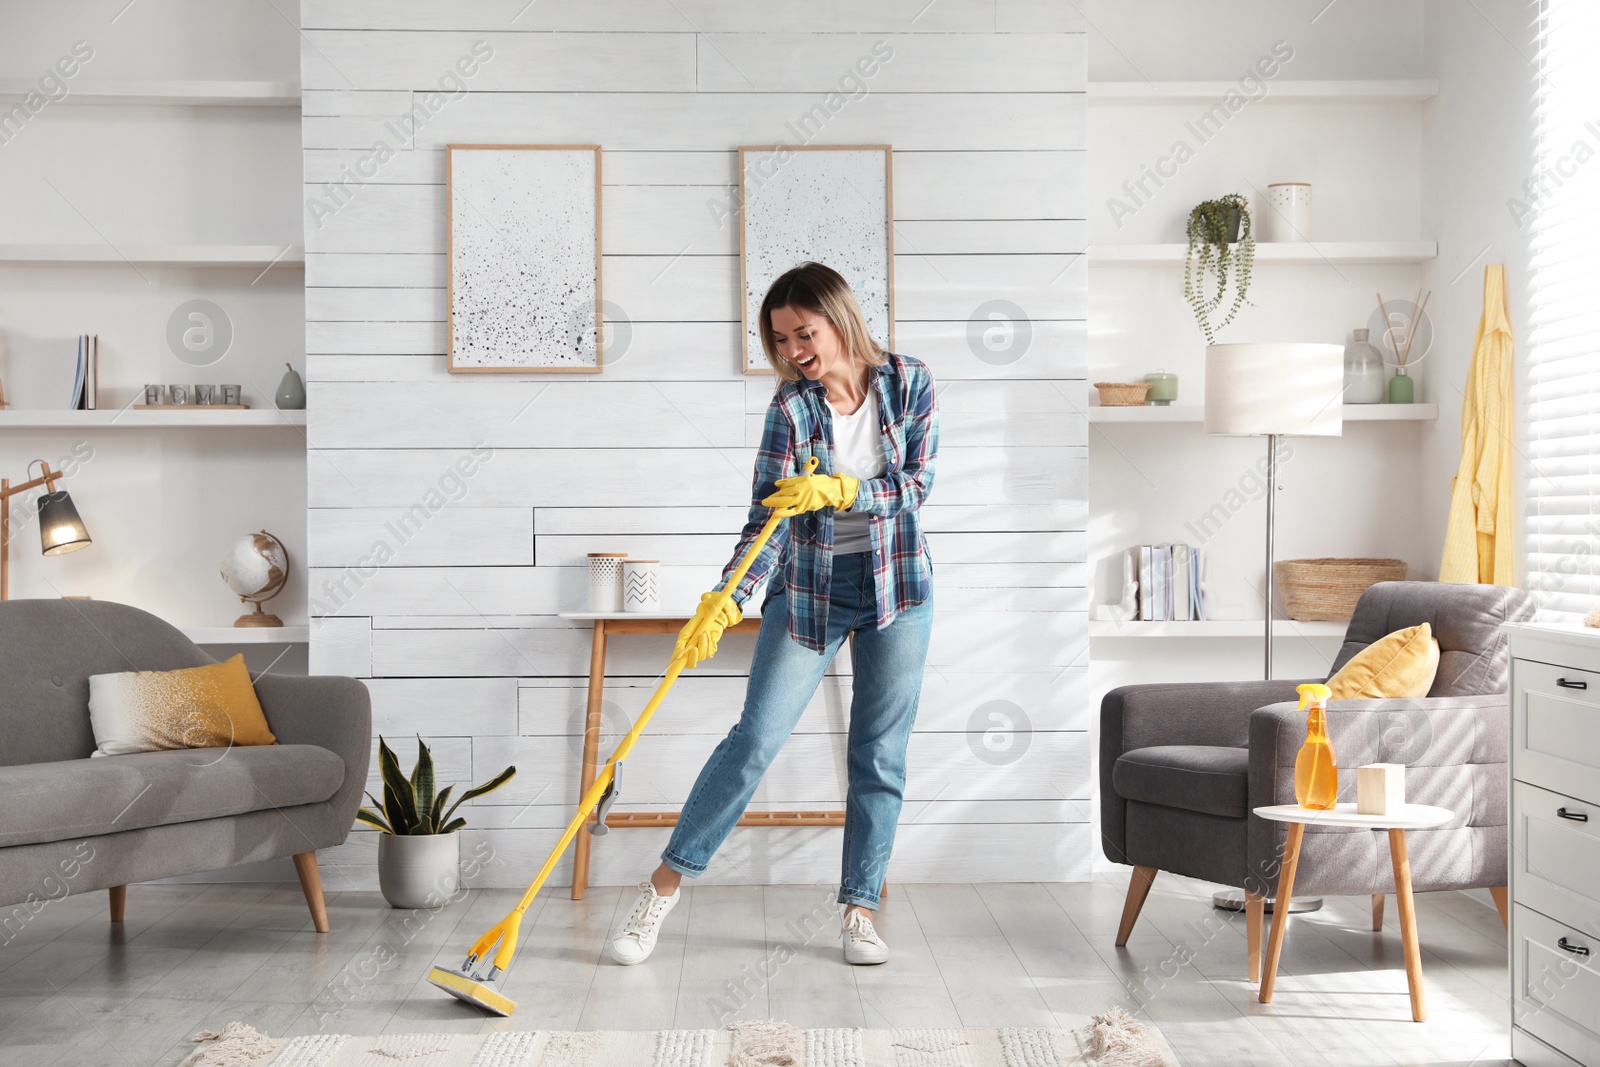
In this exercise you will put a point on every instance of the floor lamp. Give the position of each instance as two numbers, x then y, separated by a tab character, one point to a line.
60	529
1273	391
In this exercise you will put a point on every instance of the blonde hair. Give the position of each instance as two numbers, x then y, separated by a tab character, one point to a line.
822	290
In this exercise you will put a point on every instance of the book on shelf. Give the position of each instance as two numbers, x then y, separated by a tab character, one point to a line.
1146	583
1182	601
1169	581
89	356
49	374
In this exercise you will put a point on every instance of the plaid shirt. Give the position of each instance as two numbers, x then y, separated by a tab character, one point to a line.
800	425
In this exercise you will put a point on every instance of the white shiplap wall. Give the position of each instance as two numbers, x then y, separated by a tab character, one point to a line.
458	629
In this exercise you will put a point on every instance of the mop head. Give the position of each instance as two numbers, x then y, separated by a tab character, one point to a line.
463	985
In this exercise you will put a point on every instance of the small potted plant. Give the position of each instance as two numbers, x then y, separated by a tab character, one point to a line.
419	853
1215	227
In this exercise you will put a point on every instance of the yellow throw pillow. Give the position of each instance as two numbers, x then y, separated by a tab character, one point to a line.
198	707
1395	667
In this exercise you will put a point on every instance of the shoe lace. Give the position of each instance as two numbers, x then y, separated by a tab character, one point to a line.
646	913
859	928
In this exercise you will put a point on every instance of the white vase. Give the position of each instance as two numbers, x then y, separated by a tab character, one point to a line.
419	871
641	585
1288	213
605	581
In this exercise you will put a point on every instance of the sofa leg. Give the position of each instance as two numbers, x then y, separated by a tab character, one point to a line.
1138	889
1502	901
305	865
1377	911
1255	911
119	902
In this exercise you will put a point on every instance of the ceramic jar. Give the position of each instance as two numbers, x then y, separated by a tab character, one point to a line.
1288	213
605	581
641	585
1163	388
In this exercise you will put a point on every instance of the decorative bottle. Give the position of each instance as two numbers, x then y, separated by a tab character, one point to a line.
1402	390
1316	773
1363	371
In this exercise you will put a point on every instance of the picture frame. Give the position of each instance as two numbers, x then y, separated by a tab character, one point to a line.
534	209
790	212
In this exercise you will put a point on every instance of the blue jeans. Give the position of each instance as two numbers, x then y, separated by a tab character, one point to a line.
783	676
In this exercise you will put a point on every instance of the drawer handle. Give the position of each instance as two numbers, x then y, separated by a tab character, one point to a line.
1566	683
1575	816
1576	950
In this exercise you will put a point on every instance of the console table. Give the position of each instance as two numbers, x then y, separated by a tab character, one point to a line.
621	623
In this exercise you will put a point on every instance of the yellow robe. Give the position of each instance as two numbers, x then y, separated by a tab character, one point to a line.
1478	537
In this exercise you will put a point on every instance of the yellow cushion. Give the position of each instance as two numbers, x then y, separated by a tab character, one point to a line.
198	707
1395	667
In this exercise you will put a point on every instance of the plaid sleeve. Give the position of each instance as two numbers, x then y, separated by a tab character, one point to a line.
774	460
906	488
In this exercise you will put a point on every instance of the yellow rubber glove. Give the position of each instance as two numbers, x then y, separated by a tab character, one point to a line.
809	492
698	639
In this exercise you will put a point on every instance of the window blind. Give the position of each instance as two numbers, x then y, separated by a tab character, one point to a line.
1562	376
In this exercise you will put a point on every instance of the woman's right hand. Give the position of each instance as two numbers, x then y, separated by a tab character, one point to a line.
698	639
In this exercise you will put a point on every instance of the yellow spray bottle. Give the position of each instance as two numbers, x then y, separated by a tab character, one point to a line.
1316	773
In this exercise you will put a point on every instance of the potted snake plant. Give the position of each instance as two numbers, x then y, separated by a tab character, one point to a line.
419	852
1220	245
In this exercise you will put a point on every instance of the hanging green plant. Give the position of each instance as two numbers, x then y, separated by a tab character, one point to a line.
1215	226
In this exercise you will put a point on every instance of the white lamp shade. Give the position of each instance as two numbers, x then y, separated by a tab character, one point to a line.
1289	389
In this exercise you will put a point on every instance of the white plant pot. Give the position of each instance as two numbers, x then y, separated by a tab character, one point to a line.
422	871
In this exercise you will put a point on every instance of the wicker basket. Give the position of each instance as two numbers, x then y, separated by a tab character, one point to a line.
1122	394
1326	590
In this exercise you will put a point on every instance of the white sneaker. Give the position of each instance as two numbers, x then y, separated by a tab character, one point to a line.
862	945
635	939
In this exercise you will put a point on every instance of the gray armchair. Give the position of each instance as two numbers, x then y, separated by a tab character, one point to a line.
69	823
1182	766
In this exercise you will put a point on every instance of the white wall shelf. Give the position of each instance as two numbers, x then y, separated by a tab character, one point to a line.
1216	628
1197	413
187	255
130	419
248	635
180	93
1136	94
1308	252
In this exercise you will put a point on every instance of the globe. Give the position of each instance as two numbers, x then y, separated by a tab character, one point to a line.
255	568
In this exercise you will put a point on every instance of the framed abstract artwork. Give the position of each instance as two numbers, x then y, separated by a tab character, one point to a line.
831	204
523	242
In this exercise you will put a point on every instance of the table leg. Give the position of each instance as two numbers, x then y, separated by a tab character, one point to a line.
1255	909
591	753
1280	910
1408	922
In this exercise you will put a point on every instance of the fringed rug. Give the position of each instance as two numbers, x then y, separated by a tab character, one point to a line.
1111	1040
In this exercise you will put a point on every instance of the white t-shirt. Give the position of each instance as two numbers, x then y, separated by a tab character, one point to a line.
858	452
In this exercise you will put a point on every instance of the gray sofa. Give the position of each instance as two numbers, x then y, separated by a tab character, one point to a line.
1183	765
69	824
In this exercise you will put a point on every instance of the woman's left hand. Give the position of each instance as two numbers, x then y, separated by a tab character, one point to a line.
810	492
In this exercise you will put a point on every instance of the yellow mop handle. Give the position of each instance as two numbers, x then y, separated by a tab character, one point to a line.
507	933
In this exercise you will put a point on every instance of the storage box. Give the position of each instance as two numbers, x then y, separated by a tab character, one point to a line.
1380	788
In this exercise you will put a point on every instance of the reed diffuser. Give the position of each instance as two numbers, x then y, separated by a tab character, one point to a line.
1402	390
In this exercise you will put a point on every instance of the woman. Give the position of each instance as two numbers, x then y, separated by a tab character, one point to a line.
852	560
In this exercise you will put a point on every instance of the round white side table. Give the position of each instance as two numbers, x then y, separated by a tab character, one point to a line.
1408	817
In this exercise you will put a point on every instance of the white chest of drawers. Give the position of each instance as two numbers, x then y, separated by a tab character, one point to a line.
1555	845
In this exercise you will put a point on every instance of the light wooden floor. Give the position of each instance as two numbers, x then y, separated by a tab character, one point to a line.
75	990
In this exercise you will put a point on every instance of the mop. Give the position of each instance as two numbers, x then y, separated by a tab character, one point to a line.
472	983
